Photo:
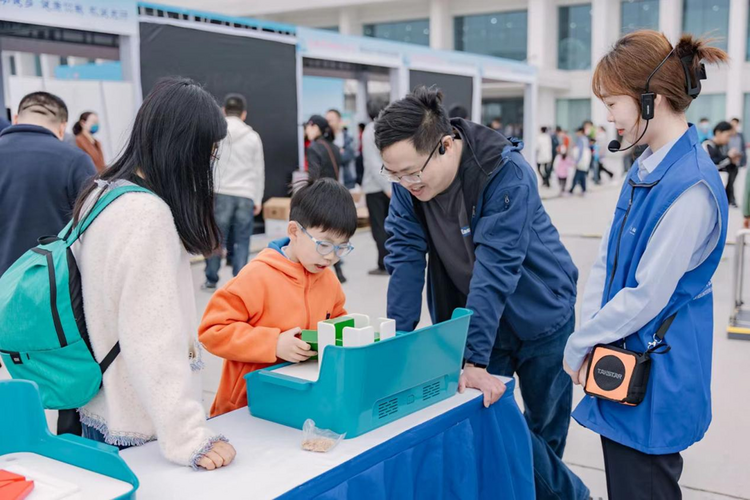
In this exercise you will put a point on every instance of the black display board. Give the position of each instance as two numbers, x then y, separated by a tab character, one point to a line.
263	71
456	89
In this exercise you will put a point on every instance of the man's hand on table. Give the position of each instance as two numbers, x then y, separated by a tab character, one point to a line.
221	454
478	378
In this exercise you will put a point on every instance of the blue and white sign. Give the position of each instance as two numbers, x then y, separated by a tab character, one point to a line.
105	16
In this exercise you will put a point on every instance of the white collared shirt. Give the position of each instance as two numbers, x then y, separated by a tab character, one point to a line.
683	239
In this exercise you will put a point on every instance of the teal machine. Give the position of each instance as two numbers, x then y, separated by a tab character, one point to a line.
23	428
362	388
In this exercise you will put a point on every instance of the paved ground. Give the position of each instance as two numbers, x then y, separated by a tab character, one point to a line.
717	467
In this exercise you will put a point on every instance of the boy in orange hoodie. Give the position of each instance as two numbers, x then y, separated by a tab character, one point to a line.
252	321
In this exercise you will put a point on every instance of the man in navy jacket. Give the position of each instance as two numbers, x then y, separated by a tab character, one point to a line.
467	198
40	178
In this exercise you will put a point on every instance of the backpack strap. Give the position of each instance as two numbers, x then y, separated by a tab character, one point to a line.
71	234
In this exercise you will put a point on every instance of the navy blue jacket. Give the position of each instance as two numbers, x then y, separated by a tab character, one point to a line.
40	178
524	281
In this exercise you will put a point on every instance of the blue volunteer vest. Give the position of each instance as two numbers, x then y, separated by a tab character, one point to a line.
676	411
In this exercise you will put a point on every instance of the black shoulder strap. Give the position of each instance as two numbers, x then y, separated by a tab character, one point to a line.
662	331
110	357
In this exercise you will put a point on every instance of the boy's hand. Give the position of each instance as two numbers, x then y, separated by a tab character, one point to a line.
290	348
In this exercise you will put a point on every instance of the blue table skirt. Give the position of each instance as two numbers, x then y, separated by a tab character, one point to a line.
470	452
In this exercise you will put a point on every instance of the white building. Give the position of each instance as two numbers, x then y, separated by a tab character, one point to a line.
563	38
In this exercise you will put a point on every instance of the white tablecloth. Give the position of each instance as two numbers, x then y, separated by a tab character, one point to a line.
269	459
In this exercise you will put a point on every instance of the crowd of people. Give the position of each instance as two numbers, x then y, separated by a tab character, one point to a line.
573	160
447	215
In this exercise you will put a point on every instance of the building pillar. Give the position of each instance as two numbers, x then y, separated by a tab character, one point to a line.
349	23
670	19
737	48
605	30
540	41
441	27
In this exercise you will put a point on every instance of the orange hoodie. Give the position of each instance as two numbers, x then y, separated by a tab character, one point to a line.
244	318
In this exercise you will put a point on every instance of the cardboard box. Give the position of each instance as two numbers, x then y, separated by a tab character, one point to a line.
277	208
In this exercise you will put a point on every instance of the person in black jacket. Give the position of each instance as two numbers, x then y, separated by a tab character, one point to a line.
725	159
323	159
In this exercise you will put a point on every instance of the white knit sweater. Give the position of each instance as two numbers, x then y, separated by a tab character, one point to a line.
137	288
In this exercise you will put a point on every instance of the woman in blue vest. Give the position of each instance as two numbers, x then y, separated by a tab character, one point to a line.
656	261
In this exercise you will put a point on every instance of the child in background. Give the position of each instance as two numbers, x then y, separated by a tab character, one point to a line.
252	322
563	165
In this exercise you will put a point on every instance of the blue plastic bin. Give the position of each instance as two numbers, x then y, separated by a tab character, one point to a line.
362	388
23	428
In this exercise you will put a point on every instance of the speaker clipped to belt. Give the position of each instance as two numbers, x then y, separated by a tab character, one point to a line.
619	375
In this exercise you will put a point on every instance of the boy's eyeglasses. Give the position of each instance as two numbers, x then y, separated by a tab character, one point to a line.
409	178
326	247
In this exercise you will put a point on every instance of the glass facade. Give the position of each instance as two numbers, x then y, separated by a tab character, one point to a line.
639	14
571	113
416	31
501	35
574	37
711	106
707	17
746	113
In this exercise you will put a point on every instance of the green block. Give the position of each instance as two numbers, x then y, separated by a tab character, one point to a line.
311	337
340	324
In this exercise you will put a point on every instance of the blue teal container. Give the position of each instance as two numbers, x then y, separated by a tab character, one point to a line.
23	429
363	388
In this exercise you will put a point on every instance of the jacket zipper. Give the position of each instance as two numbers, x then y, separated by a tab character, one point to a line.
619	238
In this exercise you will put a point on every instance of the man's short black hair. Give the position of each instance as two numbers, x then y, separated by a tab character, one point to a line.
325	204
544	130
334	110
235	104
735	119
704	119
722	127
458	111
419	117
46	104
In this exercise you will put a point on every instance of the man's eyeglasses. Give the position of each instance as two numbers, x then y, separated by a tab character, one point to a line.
409	178
326	247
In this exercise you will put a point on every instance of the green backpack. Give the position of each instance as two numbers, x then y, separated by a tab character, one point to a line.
43	335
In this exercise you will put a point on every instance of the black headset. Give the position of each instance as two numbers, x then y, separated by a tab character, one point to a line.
648	99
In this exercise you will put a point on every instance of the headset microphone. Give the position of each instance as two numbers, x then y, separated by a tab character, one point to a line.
614	146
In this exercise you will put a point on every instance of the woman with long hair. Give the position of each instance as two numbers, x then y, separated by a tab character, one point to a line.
134	262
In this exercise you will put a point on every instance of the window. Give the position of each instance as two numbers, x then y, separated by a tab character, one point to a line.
37	65
500	35
746	113
574	37
335	29
13	70
639	14
711	106
571	113
707	17
417	31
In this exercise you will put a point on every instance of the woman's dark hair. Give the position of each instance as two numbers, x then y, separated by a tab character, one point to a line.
78	128
723	127
419	117
170	152
324	204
